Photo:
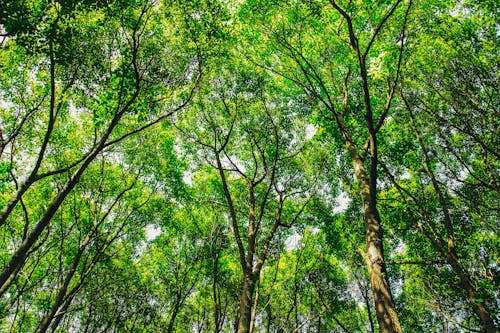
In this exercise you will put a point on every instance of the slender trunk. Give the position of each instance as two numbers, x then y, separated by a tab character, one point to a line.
254	308
175	312
245	310
18	258
450	255
61	295
364	293
60	315
475	298
269	317
216	308
9	207
217	305
8	281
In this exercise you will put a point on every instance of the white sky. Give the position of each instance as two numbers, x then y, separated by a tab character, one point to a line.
152	232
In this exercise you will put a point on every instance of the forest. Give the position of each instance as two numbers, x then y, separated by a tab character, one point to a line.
249	166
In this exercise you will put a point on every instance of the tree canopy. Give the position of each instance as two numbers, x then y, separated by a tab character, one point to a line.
249	166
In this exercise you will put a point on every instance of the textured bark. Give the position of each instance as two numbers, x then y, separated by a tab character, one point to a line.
385	310
245	309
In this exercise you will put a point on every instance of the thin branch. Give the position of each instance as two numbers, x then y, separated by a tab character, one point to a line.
380	25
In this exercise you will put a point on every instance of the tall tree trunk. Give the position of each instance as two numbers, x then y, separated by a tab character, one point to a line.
254	308
245	310
61	295
385	310
217	306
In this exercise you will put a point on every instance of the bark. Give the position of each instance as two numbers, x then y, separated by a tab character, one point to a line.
385	310
254	309
60	314
175	312
216	297
245	309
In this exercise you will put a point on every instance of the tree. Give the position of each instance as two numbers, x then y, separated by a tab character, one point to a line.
116	96
450	155
338	70
305	289
335	168
262	179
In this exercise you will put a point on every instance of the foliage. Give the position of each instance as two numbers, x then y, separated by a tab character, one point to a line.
250	166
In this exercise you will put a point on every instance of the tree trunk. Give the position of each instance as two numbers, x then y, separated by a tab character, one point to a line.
217	324
19	256
175	312
475	298
450	255
61	295
254	308
245	310
477	301
385	310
